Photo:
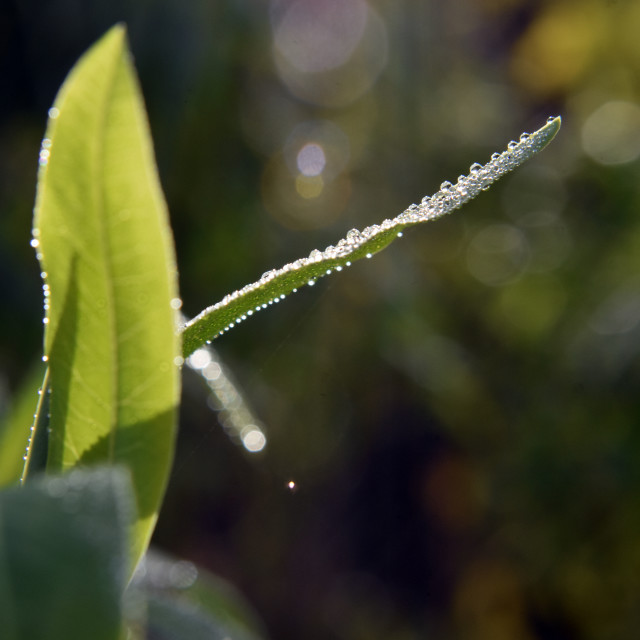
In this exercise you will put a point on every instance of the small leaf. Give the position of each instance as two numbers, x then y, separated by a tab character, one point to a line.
102	237
275	285
15	428
183	601
63	556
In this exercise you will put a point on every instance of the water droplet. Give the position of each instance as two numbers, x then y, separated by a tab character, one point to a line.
368	255
311	283
45	320
551	119
315	255
399	234
354	236
54	112
176	303
35	243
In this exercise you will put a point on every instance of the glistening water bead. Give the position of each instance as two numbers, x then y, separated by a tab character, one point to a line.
363	243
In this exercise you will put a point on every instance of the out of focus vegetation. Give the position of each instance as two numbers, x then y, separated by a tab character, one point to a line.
453	430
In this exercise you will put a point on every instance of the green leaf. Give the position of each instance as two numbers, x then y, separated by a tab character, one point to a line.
103	239
63	556
15	428
182	601
275	285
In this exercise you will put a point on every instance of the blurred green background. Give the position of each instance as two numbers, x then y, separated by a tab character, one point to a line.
453	428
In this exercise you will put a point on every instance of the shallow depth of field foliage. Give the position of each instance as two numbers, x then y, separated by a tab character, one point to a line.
451	427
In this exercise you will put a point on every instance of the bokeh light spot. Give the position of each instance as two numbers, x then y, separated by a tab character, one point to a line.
329	53
311	159
497	254
254	439
317	35
309	186
611	134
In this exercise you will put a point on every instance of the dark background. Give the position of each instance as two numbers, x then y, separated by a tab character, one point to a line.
460	415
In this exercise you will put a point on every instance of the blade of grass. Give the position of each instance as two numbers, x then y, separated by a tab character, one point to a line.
277	284
17	427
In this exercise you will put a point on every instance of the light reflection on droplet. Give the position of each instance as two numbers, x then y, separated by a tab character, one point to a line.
54	112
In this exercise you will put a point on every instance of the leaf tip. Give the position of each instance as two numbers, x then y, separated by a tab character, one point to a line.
549	130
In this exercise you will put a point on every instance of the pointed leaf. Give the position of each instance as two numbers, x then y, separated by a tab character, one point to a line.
275	285
102	237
